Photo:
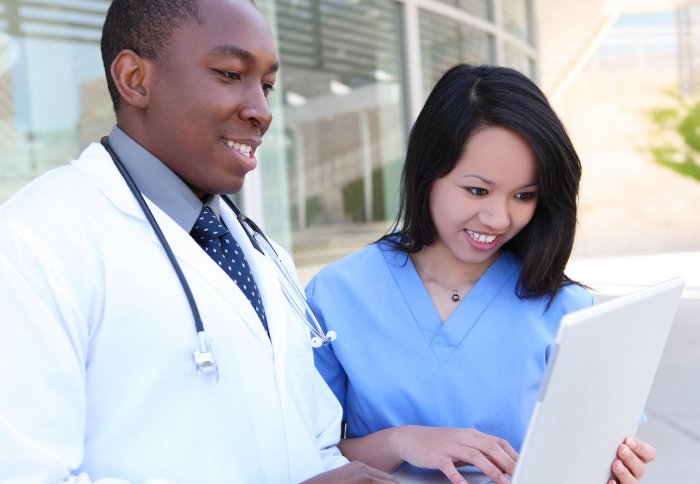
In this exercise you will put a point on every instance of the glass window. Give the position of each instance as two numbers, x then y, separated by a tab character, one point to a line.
53	96
331	161
342	114
446	42
519	60
479	8
516	18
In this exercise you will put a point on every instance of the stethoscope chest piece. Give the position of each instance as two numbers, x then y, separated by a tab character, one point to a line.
204	357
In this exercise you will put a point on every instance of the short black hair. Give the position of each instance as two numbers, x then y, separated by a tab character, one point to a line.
144	26
466	99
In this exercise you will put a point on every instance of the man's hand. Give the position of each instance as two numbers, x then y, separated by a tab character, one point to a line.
353	473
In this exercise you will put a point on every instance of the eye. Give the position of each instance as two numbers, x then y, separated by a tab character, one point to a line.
477	191
525	196
232	76
267	88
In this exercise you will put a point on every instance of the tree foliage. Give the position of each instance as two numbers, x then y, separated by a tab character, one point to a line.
676	140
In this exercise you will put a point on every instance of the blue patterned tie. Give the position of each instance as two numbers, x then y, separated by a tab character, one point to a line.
218	242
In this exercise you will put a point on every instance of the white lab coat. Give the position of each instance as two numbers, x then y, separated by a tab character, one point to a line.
97	377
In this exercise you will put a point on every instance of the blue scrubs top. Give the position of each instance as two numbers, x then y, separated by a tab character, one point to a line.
396	363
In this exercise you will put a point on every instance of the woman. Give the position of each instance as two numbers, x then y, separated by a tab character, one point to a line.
456	310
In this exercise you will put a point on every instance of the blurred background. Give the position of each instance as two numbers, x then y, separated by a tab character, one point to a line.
623	76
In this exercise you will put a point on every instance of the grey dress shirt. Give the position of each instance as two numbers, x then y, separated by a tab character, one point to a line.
159	183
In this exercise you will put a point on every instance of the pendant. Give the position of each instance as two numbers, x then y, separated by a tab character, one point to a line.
455	295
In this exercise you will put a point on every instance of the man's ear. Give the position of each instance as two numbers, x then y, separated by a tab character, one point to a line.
130	74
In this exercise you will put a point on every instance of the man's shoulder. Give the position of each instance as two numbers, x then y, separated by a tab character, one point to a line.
52	202
59	178
48	190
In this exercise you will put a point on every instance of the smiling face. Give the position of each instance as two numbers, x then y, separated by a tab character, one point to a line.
488	197
207	106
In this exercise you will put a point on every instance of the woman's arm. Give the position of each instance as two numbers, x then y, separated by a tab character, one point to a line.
442	448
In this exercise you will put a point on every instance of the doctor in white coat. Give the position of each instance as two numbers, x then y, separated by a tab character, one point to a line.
97	374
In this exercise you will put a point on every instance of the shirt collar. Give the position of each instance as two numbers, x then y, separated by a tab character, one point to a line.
159	183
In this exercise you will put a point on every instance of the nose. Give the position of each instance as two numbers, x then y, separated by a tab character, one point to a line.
256	109
495	215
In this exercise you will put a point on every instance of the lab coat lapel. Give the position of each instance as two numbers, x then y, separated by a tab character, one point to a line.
98	166
266	276
190	253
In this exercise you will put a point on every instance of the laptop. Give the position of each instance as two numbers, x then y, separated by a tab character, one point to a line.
593	393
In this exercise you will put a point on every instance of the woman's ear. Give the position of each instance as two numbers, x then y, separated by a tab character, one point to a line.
130	74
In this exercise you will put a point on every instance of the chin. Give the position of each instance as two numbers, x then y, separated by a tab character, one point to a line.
227	188
234	189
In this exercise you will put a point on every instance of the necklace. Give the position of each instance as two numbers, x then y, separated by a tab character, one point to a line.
455	290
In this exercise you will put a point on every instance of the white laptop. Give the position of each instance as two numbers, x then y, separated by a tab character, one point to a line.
594	390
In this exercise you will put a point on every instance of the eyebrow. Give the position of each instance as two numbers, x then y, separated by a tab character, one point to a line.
228	50
490	182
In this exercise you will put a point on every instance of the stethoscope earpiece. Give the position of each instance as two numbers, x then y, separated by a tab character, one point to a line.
295	297
318	341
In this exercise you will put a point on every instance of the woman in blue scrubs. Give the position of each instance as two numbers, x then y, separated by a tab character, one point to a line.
447	322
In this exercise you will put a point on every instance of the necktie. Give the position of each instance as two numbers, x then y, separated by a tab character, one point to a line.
218	242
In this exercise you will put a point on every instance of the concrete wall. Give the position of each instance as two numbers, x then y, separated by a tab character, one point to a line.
628	203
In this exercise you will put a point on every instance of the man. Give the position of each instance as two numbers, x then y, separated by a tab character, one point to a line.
97	374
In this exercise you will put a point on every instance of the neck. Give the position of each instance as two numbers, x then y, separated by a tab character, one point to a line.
444	275
438	264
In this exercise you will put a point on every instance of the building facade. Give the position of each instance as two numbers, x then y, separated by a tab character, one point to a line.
354	75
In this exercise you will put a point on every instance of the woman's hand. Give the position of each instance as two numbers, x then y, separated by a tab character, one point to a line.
446	448
633	455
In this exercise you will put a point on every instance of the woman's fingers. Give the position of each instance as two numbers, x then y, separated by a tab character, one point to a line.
623	475
443	448
644	451
634	455
492	455
497	451
485	465
449	469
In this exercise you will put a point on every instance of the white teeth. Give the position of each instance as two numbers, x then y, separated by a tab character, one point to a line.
481	238
245	149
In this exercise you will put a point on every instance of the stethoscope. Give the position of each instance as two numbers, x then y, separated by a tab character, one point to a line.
204	355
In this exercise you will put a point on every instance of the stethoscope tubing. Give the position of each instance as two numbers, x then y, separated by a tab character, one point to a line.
199	325
253	231
204	359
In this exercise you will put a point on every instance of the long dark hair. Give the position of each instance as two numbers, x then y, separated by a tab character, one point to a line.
468	98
